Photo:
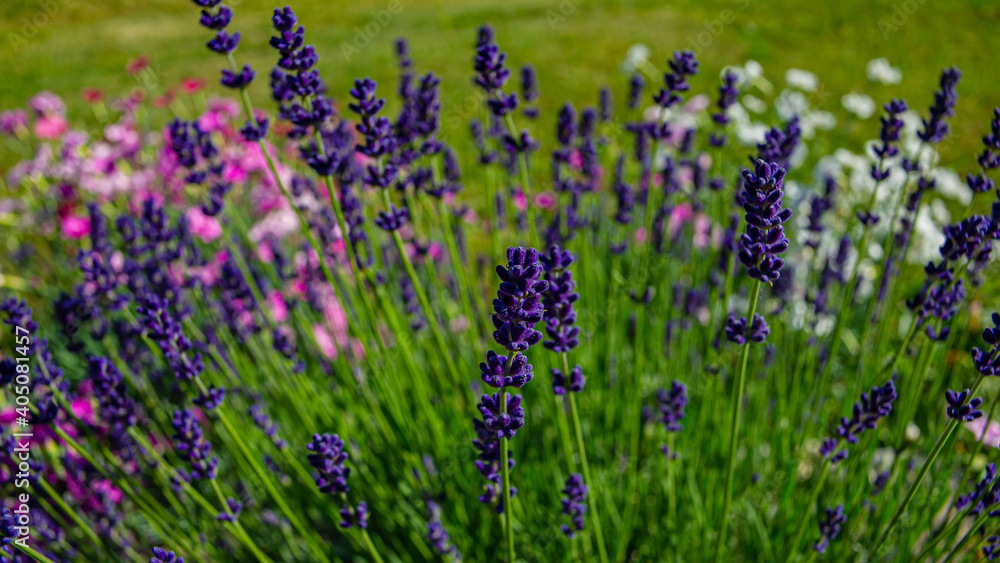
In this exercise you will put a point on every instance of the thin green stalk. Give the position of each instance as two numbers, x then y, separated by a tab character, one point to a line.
425	303
592	497
235	436
938	447
804	521
80	522
522	160
30	552
734	429
505	475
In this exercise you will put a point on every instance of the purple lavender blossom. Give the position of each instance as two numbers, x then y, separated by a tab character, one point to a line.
936	126
328	458
873	407
683	66
961	408
671	404
988	362
573	382
765	237
574	504
438	535
492	73
558	299
829	527
161	555
737	331
191	445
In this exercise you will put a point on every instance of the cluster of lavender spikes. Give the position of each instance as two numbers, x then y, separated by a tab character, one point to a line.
873	407
328	457
516	310
829	527
574	504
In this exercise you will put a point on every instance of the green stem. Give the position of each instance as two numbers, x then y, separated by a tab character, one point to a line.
734	429
591	498
425	303
800	533
30	552
938	447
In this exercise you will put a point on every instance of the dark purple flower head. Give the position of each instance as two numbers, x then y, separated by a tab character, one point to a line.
284	19
892	125
980	493
727	97
529	83
936	126
988	362
223	43
566	129
765	237
216	20
872	407
235	508
968	239
939	299
328	458
683	66
500	371
438	535
211	400
191	445
635	87
358	516
829	527
393	218
737	332
116	407
254	131
779	144
501	424
605	104
164	328
560	316
961	408
563	383
161	555
518	305
574	504
672	403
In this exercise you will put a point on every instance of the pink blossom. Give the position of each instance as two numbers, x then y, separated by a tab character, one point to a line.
47	103
203	226
13	121
697	103
50	127
546	200
702	231
325	342
83	409
520	202
74	227
992	437
279	311
640	235
234	173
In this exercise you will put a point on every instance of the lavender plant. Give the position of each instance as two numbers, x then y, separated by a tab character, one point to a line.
193	326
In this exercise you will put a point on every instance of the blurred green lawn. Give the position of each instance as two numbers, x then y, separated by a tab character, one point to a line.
577	46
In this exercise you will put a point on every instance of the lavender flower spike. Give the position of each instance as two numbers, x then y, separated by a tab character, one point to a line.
765	237
161	555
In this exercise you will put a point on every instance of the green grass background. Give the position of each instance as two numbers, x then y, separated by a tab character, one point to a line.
577	46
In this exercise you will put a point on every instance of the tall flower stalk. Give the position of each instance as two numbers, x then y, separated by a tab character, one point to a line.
760	246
